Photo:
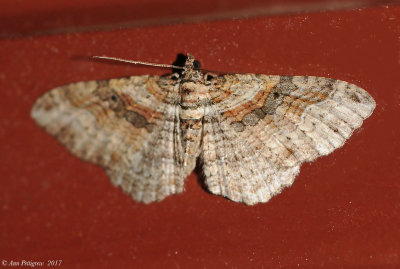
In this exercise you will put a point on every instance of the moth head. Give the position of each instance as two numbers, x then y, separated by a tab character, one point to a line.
191	69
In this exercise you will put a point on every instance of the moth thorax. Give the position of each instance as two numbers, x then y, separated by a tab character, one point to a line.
193	91
193	98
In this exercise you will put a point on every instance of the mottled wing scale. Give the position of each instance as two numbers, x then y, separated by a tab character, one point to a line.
262	128
251	132
129	126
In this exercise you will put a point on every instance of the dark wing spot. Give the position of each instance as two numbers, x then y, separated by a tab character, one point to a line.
259	113
137	120
238	126
250	119
273	101
116	103
355	98
285	87
286	79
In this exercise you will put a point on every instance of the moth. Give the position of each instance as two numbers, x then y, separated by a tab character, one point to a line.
250	132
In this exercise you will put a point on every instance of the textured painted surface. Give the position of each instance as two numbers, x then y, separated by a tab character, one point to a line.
341	211
41	17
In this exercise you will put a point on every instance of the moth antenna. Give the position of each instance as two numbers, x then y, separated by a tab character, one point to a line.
154	64
138	62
